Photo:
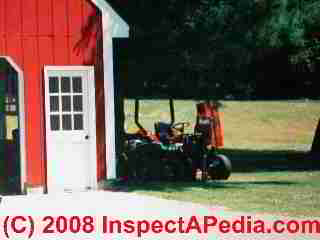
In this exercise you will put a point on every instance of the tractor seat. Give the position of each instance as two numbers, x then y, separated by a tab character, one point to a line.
163	131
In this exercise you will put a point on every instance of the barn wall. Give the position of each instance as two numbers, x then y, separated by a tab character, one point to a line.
51	32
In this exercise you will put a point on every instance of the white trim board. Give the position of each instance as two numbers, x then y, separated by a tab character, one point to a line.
113	27
22	128
112	22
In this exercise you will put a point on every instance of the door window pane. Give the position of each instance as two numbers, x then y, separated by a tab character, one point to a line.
78	122
53	84
54	103
65	84
66	103
66	122
77	84
54	122
77	103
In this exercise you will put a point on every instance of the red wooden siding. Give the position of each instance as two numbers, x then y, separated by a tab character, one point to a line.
45	18
35	33
2	24
29	16
2	45
13	17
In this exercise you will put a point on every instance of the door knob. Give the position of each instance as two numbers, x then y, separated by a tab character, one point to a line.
86	137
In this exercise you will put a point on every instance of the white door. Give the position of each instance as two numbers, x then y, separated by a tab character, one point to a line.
70	128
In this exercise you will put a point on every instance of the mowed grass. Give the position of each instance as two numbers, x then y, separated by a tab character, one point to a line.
271	125
281	193
260	139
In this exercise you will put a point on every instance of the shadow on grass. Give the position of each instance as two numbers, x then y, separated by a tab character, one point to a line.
171	187
245	183
244	160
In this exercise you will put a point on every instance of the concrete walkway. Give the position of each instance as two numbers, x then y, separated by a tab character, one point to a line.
121	206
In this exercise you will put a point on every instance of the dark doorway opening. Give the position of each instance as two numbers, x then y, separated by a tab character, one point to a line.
9	130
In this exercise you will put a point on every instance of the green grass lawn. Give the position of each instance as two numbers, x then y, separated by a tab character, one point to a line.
287	193
253	125
266	142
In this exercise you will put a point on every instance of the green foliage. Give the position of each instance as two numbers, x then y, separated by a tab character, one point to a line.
311	14
291	24
307	56
223	31
213	47
281	25
232	26
234	33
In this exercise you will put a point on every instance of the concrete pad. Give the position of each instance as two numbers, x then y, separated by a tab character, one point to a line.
109	206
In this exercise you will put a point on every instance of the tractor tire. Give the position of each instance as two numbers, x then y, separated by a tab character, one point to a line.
219	167
144	163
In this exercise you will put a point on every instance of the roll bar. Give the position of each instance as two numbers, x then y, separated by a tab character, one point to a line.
137	108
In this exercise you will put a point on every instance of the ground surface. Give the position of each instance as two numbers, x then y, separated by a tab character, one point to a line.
286	193
128	206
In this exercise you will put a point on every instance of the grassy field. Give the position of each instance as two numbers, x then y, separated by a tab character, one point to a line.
254	125
287	193
266	142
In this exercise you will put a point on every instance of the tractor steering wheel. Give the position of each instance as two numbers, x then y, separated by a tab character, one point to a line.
180	126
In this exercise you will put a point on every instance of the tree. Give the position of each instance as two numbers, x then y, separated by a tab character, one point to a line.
316	140
225	41
292	24
215	45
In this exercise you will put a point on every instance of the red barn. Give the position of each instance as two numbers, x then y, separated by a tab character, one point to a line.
61	53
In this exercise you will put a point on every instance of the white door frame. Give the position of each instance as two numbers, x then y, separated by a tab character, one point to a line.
23	157
113	26
91	113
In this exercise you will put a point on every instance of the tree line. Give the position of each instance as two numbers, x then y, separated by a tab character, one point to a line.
249	49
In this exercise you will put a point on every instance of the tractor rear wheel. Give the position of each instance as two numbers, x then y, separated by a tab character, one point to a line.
219	167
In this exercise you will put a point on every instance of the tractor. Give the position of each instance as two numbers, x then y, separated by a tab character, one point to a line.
171	154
